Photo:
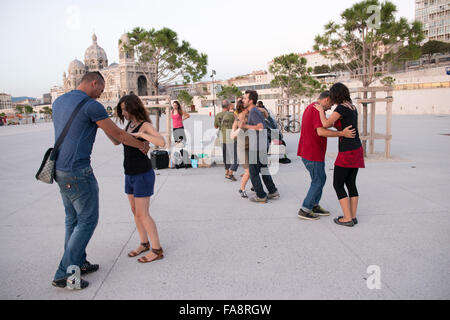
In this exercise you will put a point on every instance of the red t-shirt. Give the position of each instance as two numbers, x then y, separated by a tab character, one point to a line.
312	147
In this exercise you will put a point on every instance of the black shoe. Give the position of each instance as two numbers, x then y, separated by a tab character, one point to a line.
307	216
87	268
253	189
355	221
321	211
344	224
62	283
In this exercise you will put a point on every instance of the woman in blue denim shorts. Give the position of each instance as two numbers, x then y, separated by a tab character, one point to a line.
139	175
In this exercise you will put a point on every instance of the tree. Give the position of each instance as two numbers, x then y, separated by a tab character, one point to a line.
164	59
388	81
19	109
28	110
364	40
433	46
47	111
292	76
185	98
322	69
230	93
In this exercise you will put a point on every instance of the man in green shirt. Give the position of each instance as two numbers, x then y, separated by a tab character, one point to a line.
224	122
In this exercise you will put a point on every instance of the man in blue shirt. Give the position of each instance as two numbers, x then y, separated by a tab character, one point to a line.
258	150
74	175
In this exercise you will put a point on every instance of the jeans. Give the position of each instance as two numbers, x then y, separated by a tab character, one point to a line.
318	177
255	170
230	158
79	192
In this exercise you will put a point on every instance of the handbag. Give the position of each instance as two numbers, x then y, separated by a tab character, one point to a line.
46	172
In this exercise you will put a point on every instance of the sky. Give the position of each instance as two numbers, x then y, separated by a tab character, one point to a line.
40	38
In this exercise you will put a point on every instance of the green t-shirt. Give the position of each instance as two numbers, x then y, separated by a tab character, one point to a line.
224	121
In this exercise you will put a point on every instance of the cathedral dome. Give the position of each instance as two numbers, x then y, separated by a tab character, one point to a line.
95	57
76	67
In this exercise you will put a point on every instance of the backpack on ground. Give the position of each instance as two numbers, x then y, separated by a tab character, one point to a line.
181	159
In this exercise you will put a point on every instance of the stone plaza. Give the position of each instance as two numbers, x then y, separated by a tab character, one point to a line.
219	246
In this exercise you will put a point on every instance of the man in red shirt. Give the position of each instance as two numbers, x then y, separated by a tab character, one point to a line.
312	148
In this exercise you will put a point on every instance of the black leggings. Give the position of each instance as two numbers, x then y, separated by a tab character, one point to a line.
345	176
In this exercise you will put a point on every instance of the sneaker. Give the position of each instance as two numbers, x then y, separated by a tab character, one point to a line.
233	178
243	194
258	200
87	268
62	283
308	215
274	196
321	211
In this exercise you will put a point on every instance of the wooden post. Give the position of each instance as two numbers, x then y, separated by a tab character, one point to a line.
388	125
372	124
288	106
359	107
169	127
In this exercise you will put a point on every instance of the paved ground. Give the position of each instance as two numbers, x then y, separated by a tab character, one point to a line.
219	246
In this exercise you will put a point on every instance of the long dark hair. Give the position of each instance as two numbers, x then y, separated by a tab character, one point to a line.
134	107
240	106
178	108
339	93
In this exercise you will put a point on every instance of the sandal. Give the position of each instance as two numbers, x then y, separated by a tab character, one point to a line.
146	246
159	254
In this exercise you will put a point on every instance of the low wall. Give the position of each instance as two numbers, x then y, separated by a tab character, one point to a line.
421	101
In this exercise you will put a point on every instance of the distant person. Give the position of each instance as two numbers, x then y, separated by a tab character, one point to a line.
258	151
312	148
33	119
351	155
139	175
74	175
224	122
178	116
242	145
232	107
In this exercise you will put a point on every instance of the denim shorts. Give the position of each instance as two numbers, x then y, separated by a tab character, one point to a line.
140	185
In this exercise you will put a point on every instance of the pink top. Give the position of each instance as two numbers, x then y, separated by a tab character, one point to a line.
177	121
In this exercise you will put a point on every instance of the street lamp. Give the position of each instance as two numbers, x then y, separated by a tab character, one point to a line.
214	91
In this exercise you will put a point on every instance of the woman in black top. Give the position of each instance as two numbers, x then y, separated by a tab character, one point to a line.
351	156
139	175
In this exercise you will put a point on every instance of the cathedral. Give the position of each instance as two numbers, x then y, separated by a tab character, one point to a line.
126	77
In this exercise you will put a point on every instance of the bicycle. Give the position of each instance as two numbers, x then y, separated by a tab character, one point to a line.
287	125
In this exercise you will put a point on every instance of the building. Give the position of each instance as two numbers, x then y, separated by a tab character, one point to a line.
121	78
26	102
435	17
46	98
5	101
